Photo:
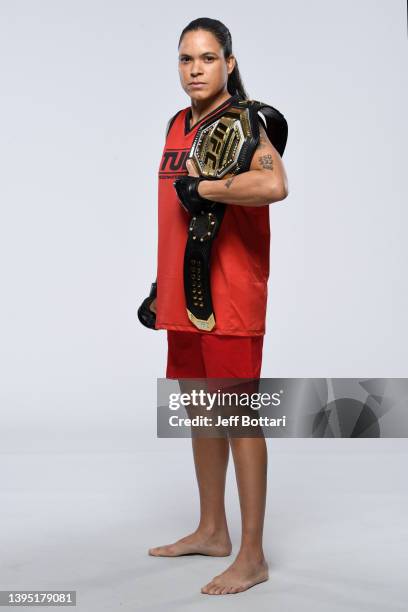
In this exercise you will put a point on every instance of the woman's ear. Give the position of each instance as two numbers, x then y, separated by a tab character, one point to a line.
231	61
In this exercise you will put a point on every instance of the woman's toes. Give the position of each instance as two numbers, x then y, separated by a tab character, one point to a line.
211	588
215	588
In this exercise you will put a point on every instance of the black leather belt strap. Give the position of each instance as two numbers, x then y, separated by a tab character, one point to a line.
202	231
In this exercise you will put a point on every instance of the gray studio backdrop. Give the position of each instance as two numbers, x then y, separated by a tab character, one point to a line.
87	88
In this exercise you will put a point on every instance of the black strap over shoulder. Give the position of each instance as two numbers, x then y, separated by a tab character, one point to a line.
276	124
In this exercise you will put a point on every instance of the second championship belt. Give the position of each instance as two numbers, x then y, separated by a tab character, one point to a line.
223	146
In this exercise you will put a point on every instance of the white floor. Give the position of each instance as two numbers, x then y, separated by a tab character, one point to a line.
336	534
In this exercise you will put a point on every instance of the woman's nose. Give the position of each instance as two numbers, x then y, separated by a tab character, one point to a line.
195	70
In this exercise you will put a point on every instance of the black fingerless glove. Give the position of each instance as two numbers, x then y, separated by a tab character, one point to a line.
190	199
146	316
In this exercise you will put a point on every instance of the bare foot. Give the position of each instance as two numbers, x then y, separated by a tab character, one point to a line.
217	544
242	574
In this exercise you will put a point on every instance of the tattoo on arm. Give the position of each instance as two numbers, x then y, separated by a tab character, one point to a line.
266	162
228	182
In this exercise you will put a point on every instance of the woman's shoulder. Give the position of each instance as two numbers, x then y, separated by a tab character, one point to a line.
173	118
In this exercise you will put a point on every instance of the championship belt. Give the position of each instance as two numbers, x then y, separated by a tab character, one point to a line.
223	146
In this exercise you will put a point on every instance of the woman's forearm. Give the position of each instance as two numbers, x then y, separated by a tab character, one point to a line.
252	188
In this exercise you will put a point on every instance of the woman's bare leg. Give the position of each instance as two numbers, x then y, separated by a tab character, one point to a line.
211	536
249	567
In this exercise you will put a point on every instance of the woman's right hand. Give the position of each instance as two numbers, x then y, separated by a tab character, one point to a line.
152	305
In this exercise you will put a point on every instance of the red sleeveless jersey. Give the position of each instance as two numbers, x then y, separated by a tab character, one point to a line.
239	256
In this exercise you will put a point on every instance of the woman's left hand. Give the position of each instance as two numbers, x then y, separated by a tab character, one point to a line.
187	188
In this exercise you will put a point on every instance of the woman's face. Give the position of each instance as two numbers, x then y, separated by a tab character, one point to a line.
201	60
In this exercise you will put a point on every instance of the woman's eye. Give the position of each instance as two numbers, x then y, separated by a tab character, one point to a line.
184	60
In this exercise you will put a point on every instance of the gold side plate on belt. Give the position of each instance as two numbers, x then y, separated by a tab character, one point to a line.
207	325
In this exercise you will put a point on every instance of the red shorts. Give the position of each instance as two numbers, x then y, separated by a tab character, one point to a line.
194	355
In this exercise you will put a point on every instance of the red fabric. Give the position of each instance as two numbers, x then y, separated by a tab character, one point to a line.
203	355
239	258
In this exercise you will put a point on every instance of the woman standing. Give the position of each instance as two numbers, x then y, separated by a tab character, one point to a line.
239	273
